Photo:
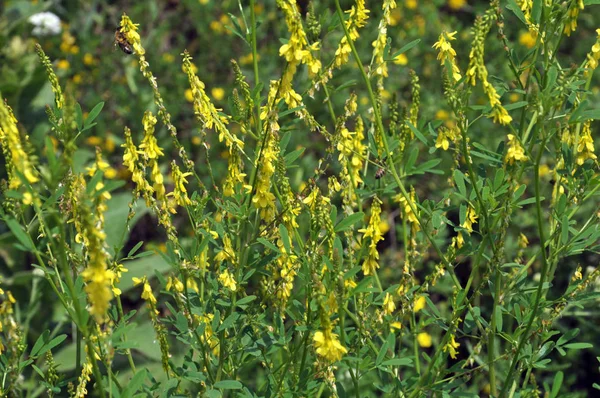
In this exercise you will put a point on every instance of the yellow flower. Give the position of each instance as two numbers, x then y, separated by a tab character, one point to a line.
63	64
401	59
395	325
328	345
424	339
523	241
88	59
470	219
147	289
515	150
446	52
372	231
451	348
411	4
227	280
388	304
420	303
189	95
175	284
456	4
218	93
27	198
527	39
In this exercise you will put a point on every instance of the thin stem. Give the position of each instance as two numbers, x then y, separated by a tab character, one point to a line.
538	296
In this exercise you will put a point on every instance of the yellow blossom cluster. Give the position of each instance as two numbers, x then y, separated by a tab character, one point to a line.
451	347
227	253
388	304
18	162
515	151
594	56
446	52
575	7
179	193
297	50
263	198
88	223
470	219
585	146
358	18
328	345
477	69
380	66
407	211
446	135
227	279
373	232
208	115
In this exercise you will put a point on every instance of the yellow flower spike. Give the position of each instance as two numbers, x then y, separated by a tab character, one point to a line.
420	303
424	339
58	96
515	151
451	348
328	345
379	65
227	280
13	146
373	232
446	52
388	304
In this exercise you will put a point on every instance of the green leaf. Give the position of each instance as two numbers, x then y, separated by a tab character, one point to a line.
245	300
134	384
558	379
268	244
459	179
229	384
285	238
349	221
398	362
578	346
93	114
292	156
418	134
404	49
564	229
516	105
512	6
20	234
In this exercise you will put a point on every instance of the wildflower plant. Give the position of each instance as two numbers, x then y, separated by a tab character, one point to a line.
345	242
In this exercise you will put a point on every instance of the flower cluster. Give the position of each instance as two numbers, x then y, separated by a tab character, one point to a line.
18	161
297	50
575	6
477	69
358	18
380	66
594	56
88	223
447	53
515	151
372	231
328	345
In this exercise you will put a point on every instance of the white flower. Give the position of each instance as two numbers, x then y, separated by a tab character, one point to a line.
46	23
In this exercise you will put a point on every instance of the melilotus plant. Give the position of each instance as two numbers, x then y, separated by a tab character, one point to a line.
357	278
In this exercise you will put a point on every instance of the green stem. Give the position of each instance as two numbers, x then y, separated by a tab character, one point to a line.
538	296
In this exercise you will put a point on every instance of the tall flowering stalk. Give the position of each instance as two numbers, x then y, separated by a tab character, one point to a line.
373	231
447	53
18	162
379	64
477	69
88	218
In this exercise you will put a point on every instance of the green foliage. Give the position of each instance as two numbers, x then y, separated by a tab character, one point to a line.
311	219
